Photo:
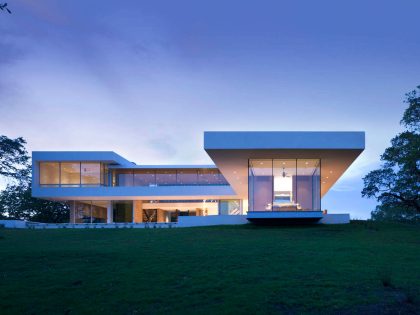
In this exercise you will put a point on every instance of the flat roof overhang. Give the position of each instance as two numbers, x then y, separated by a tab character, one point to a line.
230	151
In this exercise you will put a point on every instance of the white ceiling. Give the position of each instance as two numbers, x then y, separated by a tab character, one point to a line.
233	163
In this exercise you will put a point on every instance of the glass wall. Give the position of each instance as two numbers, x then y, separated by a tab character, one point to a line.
72	174
90	211
49	173
284	193
167	177
125	178
284	185
261	184
144	178
230	207
187	177
122	211
91	174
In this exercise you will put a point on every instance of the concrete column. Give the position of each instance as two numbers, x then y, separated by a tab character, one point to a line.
109	212
72	211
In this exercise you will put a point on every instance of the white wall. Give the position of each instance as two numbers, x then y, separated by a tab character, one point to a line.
335	218
13	224
211	220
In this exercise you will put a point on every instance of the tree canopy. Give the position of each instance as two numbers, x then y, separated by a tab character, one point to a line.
14	159
396	185
16	201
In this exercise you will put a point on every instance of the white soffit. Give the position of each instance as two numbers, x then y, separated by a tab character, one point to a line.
230	151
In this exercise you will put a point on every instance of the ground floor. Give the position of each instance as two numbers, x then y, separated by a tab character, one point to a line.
148	211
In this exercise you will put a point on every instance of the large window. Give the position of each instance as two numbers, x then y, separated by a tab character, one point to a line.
230	207
144	178
284	192
73	174
284	185
70	174
49	173
187	177
167	177
91	173
122	211
261	183
125	178
210	177
90	211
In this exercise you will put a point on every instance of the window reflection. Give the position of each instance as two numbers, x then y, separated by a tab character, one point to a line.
165	177
125	178
168	177
90	211
187	177
91	173
144	178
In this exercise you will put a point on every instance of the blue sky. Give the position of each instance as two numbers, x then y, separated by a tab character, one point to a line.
146	78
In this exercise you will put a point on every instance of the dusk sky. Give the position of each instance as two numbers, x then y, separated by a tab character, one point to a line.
146	78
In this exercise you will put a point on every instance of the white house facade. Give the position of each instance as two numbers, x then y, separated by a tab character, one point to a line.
261	177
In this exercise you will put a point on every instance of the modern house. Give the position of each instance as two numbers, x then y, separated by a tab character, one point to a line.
266	177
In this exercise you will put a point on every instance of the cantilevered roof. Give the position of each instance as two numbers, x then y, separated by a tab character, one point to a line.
230	151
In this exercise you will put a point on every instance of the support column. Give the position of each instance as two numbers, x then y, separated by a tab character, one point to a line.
72	211
109	218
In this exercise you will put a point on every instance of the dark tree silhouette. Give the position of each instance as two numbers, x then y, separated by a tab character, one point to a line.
16	200
3	7
396	185
14	158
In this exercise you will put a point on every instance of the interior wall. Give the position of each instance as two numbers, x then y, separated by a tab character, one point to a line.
138	211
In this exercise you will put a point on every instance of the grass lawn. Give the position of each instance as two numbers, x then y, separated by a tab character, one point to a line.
341	269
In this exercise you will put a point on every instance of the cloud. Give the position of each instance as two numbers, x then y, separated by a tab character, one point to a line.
163	146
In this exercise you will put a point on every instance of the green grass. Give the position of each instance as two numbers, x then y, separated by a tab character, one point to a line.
341	269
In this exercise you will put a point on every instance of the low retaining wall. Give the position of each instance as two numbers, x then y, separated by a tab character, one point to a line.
331	218
36	225
212	220
335	218
13	224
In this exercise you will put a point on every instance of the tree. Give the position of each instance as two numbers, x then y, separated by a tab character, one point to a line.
14	159
4	7
396	185
16	201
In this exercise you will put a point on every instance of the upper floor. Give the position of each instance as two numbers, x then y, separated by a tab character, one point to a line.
105	174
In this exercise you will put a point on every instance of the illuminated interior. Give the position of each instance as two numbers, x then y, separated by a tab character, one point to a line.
284	185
